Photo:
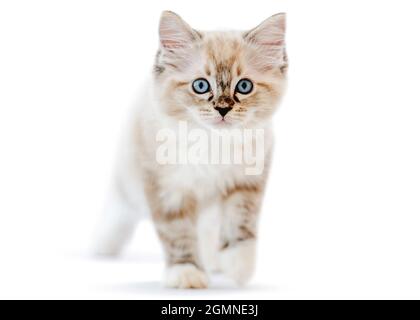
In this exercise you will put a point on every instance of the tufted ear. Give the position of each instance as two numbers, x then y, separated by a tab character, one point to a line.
269	39
177	41
175	33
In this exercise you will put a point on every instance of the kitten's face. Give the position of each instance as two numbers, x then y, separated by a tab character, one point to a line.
221	79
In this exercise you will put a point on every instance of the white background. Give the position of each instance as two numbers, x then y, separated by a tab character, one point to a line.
342	213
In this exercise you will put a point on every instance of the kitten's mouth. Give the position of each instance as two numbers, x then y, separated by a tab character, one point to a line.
222	123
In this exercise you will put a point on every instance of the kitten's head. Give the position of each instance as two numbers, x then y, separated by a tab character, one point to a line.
221	79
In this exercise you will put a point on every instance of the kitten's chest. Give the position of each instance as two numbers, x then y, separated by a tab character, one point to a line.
203	180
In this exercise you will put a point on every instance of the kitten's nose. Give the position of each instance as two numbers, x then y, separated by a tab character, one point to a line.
223	111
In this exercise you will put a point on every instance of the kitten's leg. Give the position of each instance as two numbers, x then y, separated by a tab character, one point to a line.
238	232
116	225
177	229
209	236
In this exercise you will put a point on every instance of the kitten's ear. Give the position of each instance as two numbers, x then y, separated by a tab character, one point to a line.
269	38
175	33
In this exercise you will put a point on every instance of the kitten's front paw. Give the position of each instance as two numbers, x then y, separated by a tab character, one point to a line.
186	276
238	261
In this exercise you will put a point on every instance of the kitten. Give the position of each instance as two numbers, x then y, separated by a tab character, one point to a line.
205	214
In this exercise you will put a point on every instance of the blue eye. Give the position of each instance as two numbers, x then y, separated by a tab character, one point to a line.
201	86
244	86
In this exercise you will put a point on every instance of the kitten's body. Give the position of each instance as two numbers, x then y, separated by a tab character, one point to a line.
200	210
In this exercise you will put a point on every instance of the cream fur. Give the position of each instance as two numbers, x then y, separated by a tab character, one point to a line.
162	105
